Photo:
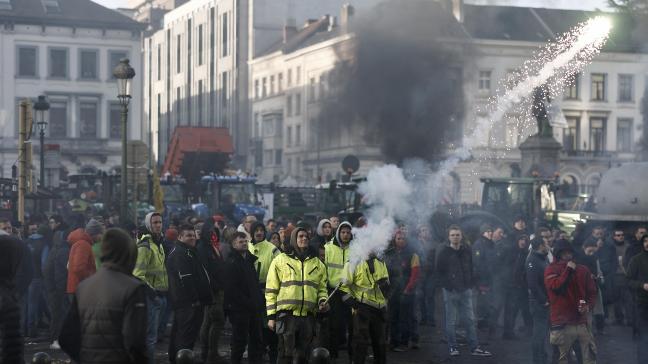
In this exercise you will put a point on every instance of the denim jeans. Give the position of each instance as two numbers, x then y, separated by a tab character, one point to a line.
402	321
459	305
155	306
642	345
540	315
428	290
34	308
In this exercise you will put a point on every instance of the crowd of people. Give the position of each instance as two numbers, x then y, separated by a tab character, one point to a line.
108	294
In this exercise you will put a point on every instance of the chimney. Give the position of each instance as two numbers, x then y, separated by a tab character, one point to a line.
345	17
331	23
458	10
289	30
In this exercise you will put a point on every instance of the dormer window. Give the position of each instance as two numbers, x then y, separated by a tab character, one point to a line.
5	5
51	6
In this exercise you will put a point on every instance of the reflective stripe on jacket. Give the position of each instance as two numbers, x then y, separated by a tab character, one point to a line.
362	285
294	285
336	258
265	252
150	266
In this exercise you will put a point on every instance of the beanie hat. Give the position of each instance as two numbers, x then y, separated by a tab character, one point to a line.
484	228
94	227
536	242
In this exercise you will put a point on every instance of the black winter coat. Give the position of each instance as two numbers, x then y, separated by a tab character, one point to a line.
607	258
213	263
25	272
11	254
55	268
514	265
107	320
39	250
242	292
188	279
536	264
484	260
455	268
637	277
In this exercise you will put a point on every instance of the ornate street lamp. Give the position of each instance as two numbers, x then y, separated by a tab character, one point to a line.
42	115
124	74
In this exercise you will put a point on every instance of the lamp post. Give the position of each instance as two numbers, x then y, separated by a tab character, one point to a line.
124	74
42	112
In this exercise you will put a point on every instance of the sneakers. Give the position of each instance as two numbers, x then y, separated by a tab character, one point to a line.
454	352
55	345
480	352
400	348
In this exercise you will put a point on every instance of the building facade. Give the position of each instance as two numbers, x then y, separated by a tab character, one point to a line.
67	50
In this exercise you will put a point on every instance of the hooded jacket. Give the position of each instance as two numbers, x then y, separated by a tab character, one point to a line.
565	288
81	264
319	239
265	252
11	254
455	268
210	255
150	266
242	292
484	260
107	320
55	269
188	279
637	277
39	247
336	256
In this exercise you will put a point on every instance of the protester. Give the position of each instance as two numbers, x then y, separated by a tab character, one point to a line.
455	271
365	288
404	271
335	222
587	257
189	292
485	263
428	282
107	318
208	247
548	237
536	263
38	244
621	296
271	227
11	255
336	255
243	301
81	263
517	297
295	291
638	282
55	278
151	269
246	226
569	284
323	234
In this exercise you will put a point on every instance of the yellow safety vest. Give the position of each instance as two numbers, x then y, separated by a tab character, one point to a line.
362	284
294	285
335	259
149	266
265	252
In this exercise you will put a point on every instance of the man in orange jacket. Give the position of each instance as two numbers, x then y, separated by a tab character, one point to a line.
81	263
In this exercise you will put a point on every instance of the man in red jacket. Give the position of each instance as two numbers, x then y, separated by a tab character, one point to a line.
572	294
81	263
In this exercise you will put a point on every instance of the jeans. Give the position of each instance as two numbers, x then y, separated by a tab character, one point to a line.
459	305
540	315
246	332
401	319
185	329
154	306
34	308
427	302
517	302
211	330
642	345
567	336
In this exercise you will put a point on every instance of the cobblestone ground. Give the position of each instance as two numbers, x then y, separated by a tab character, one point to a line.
615	347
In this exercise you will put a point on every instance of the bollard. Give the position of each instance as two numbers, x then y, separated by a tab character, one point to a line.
185	356
320	356
41	358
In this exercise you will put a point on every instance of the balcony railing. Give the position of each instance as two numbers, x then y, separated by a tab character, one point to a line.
590	154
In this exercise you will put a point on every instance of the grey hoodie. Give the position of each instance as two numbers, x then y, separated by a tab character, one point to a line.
336	241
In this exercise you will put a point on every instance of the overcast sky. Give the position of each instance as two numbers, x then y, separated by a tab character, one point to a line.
568	4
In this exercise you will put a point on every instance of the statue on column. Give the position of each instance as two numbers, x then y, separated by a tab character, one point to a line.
542	98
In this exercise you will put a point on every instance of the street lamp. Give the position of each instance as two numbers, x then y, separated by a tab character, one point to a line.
124	74
42	115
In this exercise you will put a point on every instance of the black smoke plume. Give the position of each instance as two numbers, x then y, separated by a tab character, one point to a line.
401	85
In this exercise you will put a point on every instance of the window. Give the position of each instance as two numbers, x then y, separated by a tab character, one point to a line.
176	107
298	76
88	120
225	36
597	134
268	127
200	45
58	63
225	96
572	92
257	125
58	120
200	102
27	62
289	105
113	60
89	64
115	120
178	53
298	104
598	86
311	90
268	157
322	86
5	5
272	85
289	165
485	80
289	78
159	62
298	135
278	155
280	82
570	134
624	135
288	136
264	87
626	88
51	6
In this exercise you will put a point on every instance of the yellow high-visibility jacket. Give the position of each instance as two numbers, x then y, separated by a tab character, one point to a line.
363	286
149	266
335	259
265	252
294	285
